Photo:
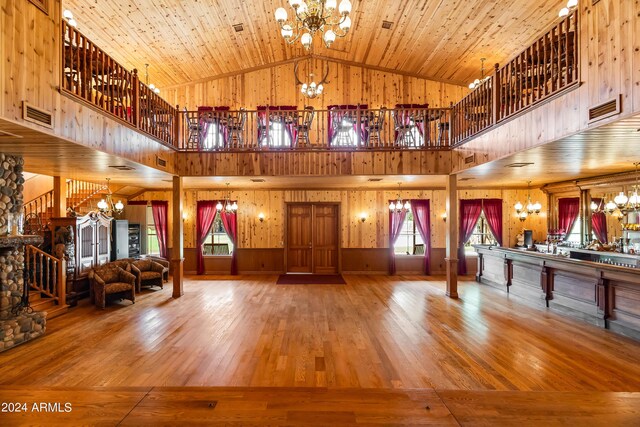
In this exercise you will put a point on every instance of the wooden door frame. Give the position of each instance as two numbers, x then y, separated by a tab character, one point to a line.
286	232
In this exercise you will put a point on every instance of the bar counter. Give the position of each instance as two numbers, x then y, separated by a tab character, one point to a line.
592	288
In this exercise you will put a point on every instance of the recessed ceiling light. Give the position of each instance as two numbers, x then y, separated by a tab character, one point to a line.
518	165
238	27
387	25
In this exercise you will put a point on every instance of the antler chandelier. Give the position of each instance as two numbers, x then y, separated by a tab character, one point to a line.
312	89
312	16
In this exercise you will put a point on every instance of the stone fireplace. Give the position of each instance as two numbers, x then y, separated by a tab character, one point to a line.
18	324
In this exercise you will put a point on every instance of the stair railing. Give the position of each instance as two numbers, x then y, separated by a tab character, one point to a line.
79	192
46	274
38	210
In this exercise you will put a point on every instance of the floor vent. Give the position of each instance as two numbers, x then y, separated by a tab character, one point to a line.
607	109
161	162
36	115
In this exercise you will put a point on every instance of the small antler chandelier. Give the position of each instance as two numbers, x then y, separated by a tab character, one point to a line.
107	206
312	89
312	16
399	205
226	204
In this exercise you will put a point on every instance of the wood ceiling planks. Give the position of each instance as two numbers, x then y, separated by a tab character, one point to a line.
188	41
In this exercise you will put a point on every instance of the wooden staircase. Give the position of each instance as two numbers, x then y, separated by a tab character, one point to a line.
47	280
41	302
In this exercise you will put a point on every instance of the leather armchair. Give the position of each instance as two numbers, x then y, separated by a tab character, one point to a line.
147	272
112	279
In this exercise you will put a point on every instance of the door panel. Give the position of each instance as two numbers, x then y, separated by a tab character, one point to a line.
300	239
325	239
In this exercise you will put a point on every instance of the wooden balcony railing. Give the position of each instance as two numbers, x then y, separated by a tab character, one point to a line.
37	213
334	129
92	75
546	68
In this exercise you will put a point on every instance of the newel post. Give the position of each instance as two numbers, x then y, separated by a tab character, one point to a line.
176	127
62	282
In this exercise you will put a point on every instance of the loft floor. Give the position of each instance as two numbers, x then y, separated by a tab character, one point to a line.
374	332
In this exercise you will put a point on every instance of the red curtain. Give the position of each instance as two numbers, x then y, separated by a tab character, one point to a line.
160	209
422	220
568	210
493	212
230	224
599	223
469	213
206	213
396	219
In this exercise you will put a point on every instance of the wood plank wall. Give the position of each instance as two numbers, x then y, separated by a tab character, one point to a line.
348	84
30	71
609	67
373	233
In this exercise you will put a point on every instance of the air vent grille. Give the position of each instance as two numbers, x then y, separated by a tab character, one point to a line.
387	25
37	115
518	165
374	179
238	27
607	109
122	167
161	162
257	180
469	159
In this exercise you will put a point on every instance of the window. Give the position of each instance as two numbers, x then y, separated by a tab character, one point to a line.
481	235
416	139
279	136
214	137
153	247
409	241
217	241
574	234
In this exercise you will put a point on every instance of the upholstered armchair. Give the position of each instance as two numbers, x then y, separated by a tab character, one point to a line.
165	264
124	264
111	279
148	273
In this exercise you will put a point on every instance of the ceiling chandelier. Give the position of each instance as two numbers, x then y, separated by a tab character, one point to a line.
477	82
107	206
146	76
531	208
226	204
399	205
312	16
621	204
571	4
312	89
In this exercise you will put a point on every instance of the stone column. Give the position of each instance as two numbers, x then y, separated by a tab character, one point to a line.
177	252
451	258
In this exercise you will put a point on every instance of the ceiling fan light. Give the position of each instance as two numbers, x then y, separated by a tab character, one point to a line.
281	15
345	7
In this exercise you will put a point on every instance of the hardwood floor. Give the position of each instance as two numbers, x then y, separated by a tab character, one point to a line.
396	335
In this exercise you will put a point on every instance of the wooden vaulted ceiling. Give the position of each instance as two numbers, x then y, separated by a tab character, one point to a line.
185	41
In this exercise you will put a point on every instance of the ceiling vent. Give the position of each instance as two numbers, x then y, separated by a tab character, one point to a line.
607	109
238	27
161	162
518	165
122	167
257	180
374	179
467	178
387	25
36	115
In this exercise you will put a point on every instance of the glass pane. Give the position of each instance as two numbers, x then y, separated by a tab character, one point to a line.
217	242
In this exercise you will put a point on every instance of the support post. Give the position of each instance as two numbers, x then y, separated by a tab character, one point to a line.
585	216
59	197
451	259
177	252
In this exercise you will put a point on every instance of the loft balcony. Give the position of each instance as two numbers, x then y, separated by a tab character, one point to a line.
546	68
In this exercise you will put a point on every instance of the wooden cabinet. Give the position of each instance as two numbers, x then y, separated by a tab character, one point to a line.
87	243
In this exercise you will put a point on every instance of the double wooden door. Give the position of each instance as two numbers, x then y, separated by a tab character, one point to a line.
313	238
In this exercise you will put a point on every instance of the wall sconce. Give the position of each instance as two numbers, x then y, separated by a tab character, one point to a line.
184	216
444	217
363	216
261	217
